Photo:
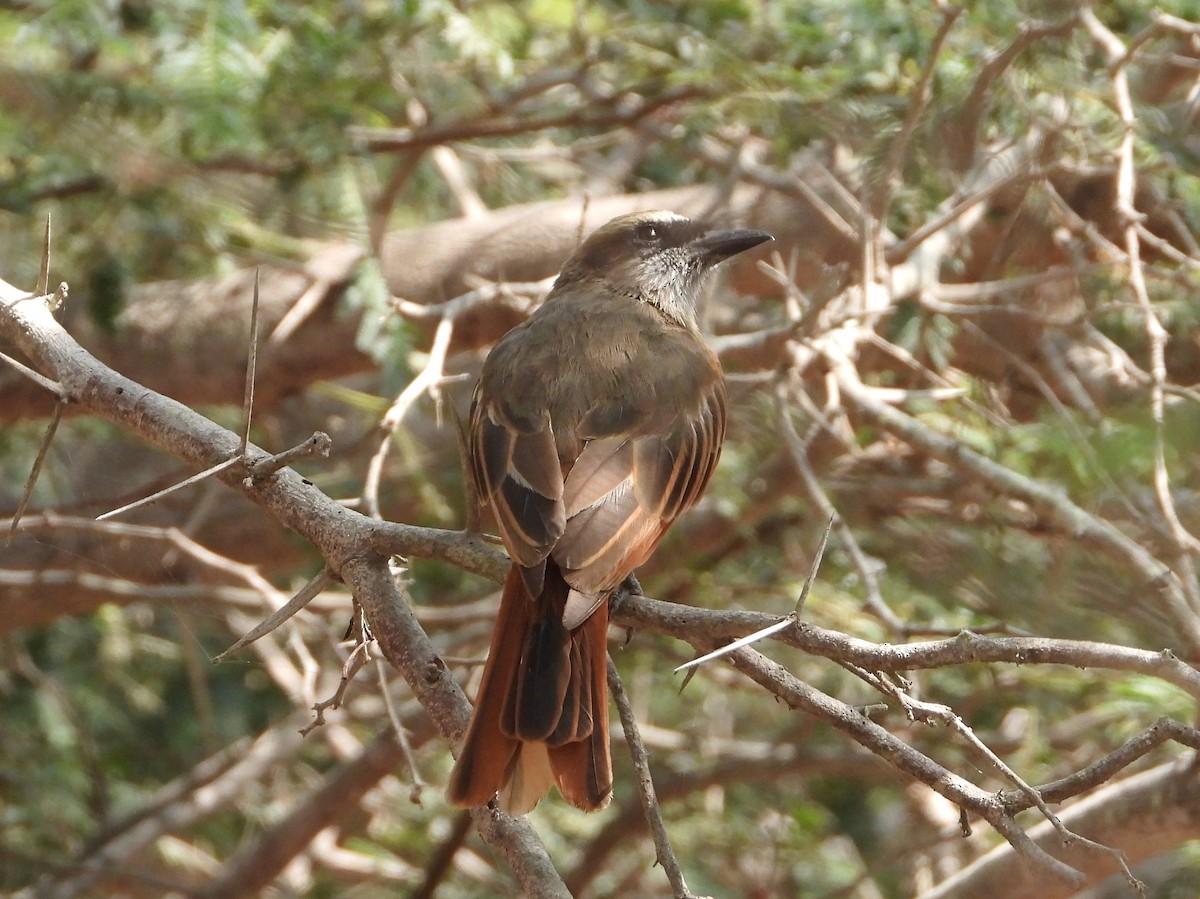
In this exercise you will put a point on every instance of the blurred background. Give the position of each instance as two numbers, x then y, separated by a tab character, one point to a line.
987	212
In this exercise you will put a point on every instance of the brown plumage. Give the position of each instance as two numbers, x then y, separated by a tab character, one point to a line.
594	425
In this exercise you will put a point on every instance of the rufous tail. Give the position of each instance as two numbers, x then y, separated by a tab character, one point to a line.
541	716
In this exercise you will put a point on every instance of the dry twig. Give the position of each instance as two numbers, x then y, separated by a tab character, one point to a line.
663	852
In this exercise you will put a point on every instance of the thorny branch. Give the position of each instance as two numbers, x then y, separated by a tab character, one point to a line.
340	534
800	696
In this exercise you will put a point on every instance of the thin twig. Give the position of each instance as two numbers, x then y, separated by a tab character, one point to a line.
401	734
1187	545
43	281
803	697
641	763
798	452
1104	769
1051	501
36	469
979	101
455	176
299	312
187	482
780	625
522	296
624	113
39	379
359	656
319	444
251	362
954	209
928	712
890	174
1060	409
316	584
427	380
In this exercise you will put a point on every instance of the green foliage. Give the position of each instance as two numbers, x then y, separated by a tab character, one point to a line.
185	122
98	715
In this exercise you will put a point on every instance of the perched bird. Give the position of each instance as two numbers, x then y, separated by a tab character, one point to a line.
594	425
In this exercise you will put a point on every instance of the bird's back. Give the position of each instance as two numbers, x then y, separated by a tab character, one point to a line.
644	375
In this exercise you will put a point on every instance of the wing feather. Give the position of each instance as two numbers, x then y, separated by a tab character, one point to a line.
517	472
627	495
601	468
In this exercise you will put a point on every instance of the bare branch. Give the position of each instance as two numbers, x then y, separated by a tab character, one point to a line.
216	783
1145	814
802	697
319	444
410	761
1186	544
1048	501
706	626
427	380
798	450
32	375
978	102
391	140
928	712
43	281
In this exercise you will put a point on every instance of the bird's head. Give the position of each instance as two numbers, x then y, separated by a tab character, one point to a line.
658	257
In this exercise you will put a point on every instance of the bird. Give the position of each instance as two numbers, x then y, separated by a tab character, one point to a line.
593	426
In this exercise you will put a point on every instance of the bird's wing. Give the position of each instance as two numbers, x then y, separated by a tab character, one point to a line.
626	488
516	470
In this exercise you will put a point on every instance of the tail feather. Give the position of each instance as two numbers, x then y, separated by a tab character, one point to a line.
575	721
541	716
529	779
583	767
544	678
488	753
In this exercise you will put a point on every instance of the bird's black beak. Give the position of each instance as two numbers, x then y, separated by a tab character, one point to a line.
715	246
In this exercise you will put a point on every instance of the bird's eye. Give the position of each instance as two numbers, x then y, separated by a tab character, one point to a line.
647	233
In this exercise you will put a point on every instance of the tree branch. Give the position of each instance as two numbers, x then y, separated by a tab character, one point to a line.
341	535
